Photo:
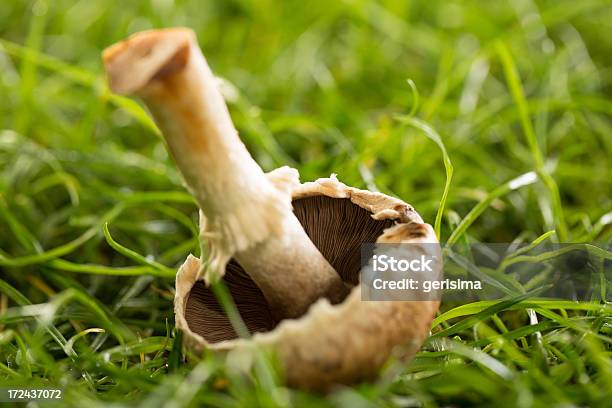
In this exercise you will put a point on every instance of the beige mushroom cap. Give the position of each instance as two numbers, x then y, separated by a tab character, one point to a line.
331	344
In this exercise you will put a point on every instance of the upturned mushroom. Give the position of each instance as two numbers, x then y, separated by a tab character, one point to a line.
288	252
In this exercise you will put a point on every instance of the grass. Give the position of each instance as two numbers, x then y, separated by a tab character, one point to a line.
94	218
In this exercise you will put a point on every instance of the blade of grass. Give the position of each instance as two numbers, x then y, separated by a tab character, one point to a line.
448	166
477	307
531	245
521	181
516	89
136	347
416	100
63	265
591	249
24	237
493	364
129	253
63	249
28	69
495	307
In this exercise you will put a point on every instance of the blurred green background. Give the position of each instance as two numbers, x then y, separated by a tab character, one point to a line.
358	88
319	83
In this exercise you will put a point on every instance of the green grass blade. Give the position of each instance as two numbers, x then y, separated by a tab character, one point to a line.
163	269
63	265
448	166
516	183
516	89
477	307
63	249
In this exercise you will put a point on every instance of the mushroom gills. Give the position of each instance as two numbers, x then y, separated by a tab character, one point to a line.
336	226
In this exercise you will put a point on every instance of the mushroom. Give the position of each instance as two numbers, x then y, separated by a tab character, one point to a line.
289	252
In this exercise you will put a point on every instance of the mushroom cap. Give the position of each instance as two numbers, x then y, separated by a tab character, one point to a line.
330	344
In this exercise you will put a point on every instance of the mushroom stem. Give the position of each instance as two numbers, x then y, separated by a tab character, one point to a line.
246	214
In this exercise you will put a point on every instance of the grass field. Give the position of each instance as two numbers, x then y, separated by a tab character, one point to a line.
441	103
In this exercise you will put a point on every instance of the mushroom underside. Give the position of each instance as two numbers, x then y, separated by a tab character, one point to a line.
336	226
